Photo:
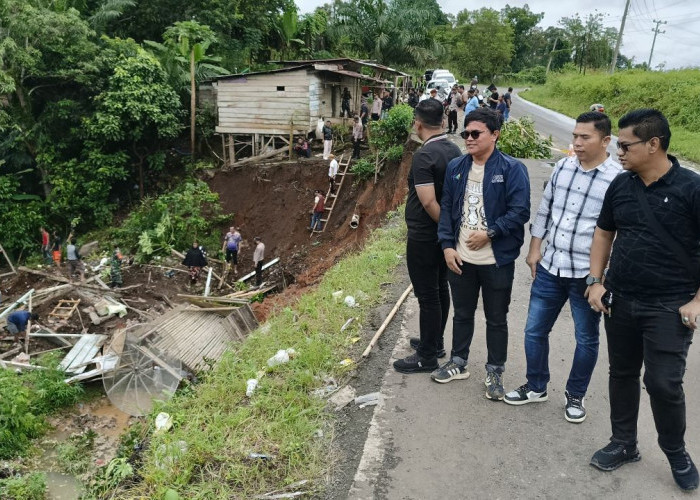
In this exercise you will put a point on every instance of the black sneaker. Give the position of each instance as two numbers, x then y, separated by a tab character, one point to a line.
415	364
615	455
575	411
524	395
684	471
494	386
450	371
415	343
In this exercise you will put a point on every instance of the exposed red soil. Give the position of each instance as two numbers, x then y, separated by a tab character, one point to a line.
274	202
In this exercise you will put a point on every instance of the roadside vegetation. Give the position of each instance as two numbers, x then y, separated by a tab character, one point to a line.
675	93
386	140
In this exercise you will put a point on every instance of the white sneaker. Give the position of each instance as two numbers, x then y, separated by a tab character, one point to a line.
524	395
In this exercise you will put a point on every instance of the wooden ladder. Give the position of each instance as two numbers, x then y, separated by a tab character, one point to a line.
342	171
64	309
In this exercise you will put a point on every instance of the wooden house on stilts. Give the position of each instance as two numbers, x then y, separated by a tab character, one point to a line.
260	113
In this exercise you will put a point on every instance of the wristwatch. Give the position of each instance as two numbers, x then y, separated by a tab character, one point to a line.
590	280
490	233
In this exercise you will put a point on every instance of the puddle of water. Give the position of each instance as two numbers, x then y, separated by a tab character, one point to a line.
62	486
106	420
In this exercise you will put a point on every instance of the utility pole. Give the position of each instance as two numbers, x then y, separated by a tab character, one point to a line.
656	32
613	65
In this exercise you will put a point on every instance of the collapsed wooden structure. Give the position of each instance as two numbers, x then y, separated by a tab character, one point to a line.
197	338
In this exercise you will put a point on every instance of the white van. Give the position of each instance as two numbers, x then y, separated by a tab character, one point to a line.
443	74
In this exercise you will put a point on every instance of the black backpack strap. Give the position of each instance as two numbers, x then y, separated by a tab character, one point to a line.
679	252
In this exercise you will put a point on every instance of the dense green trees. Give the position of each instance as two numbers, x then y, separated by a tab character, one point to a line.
94	93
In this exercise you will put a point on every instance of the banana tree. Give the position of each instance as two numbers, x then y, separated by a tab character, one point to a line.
191	39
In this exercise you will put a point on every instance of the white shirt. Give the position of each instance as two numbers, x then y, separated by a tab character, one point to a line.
333	168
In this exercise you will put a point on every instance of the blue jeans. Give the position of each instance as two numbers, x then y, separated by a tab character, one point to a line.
548	295
495	284
506	115
316	221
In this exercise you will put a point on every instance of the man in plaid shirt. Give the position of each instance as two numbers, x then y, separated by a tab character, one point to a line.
567	217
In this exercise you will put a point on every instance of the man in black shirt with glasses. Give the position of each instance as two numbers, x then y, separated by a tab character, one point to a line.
650	220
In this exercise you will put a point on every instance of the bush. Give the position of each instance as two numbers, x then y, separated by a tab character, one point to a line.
29	487
26	398
393	130
175	218
394	153
520	139
363	169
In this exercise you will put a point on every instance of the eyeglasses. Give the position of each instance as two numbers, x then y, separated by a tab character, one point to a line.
625	146
474	134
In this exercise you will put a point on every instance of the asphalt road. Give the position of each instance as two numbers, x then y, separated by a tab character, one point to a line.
435	441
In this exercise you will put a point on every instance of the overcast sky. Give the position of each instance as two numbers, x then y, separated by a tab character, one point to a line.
677	48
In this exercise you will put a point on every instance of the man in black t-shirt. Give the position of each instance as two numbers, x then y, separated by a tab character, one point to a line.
651	288
426	265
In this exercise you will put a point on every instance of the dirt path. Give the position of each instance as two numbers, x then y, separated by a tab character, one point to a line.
441	441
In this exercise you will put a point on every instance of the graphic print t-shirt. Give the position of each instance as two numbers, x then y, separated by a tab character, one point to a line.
474	219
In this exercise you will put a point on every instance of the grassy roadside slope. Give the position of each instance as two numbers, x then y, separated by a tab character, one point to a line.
221	427
675	93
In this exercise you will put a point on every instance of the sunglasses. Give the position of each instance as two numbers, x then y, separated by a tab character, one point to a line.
625	146
474	134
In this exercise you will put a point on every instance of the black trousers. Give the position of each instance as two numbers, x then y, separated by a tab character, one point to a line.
428	272
495	283
648	332
258	273
356	148
452	120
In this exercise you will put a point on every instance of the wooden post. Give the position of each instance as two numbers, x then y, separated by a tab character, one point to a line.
223	148
388	319
376	167
29	326
291	138
232	149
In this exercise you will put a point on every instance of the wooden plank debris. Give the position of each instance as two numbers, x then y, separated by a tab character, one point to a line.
269	264
7	258
84	350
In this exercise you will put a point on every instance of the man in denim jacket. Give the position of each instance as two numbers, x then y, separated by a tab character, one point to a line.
484	208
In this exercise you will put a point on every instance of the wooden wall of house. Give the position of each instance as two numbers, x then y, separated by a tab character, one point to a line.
265	104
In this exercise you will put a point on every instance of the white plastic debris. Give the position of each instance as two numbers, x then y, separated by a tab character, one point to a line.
251	385
370	399
350	301
163	422
337	295
282	356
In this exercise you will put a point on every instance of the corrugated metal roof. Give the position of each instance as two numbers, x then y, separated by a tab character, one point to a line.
243	75
349	59
355	75
318	65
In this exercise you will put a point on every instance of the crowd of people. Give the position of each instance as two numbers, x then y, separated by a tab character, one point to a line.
622	240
